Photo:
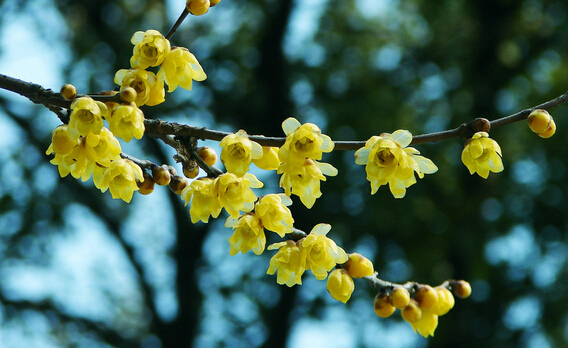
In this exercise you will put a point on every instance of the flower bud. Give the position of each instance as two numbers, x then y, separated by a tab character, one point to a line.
213	2
383	308
198	7
128	95
412	312
426	296
208	155
68	91
340	285
539	120
161	175
399	297
461	288
177	184
358	266
191	174
550	131
147	186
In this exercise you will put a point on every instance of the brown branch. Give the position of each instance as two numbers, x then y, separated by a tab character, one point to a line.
164	130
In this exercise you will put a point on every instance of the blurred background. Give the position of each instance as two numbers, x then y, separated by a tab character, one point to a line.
79	269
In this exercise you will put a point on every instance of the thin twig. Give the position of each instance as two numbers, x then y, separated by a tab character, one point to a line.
177	23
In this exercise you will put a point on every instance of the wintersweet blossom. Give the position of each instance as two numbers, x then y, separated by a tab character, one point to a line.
103	148
272	210
303	141
269	159
234	193
482	154
322	254
389	160
80	157
86	116
204	202
428	321
304	181
340	285
150	49
288	262
126	121
149	89
120	178
180	68
238	151
248	234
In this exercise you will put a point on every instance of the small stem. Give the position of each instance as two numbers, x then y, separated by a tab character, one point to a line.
177	23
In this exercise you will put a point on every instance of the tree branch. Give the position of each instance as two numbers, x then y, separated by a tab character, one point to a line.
160	129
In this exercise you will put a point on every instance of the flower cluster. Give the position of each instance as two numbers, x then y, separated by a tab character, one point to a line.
387	159
208	196
340	283
315	252
178	67
270	212
423	309
97	156
300	169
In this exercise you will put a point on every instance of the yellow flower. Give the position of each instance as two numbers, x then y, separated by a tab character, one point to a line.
234	193
150	49
61	142
238	151
272	210
149	89
304	181
86	116
203	202
288	262
428	322
102	148
248	234
322	254
340	285
303	141
120	178
180	68
269	159
482	154
389	160
126	121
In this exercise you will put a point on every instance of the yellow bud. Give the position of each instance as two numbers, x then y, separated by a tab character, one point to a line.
147	186
399	297
462	288
68	91
161	175
208	155
191	174
539	120
177	184
550	131
214	2
128	95
198	7
426	296
358	266
340	285
383	308
412	312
